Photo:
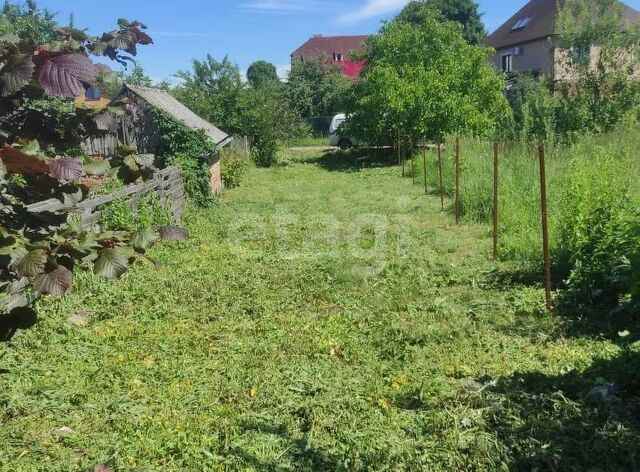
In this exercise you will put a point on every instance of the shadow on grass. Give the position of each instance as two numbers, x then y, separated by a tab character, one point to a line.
355	160
558	423
20	318
581	315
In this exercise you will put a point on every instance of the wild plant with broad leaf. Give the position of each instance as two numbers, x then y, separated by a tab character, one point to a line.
40	130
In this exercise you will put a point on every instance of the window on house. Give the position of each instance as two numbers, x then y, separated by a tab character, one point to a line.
338	57
507	63
580	53
521	24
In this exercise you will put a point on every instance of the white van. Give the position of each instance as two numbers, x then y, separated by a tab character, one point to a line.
334	133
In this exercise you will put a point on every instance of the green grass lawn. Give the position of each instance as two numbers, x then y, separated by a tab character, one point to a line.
326	316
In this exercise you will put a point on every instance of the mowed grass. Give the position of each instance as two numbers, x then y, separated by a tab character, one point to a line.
326	316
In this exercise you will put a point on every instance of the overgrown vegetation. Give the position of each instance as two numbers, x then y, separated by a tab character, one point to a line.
41	158
191	150
595	88
594	192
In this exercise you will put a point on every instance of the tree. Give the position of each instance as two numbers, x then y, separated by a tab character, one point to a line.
317	89
464	12
29	22
213	90
269	119
425	81
262	73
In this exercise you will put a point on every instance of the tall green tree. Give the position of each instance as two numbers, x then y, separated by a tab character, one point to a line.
427	81
262	73
316	88
464	12
27	21
213	90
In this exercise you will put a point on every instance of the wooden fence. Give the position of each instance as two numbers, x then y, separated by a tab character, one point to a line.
166	184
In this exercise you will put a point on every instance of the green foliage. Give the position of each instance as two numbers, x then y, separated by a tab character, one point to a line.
41	158
27	22
594	196
310	325
119	215
234	165
464	12
191	150
213	90
262	73
317	89
425	81
595	89
269	119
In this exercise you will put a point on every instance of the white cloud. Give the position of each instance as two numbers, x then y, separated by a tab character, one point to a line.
372	9
283	6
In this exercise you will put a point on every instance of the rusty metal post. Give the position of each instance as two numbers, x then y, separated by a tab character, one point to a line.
441	177
413	168
426	182
457	180
404	157
545	229
495	200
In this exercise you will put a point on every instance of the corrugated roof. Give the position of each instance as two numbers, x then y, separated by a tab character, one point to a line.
542	15
327	45
163	100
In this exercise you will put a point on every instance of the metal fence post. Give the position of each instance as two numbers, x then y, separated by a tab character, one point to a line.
441	177
457	179
426	182
545	228
495	200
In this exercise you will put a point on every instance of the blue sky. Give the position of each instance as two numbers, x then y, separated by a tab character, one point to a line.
246	30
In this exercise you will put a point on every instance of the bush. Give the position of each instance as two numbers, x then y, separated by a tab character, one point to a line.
264	152
191	151
234	165
120	215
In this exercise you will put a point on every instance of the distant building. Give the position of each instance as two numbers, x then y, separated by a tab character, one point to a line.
336	50
524	44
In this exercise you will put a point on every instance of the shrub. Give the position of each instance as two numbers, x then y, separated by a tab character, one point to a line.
120	215
191	150
234	165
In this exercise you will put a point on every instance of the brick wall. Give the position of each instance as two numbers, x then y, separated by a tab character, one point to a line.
216	178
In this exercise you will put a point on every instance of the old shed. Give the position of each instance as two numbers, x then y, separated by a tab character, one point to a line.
136	128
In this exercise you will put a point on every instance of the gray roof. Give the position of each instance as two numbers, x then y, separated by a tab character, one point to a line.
164	101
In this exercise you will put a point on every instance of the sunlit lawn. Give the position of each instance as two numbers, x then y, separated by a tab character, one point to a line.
325	316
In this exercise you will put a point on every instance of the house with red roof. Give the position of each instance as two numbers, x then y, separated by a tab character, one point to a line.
336	50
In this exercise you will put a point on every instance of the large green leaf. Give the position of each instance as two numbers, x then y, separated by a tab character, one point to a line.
55	282
111	264
15	74
33	263
144	239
